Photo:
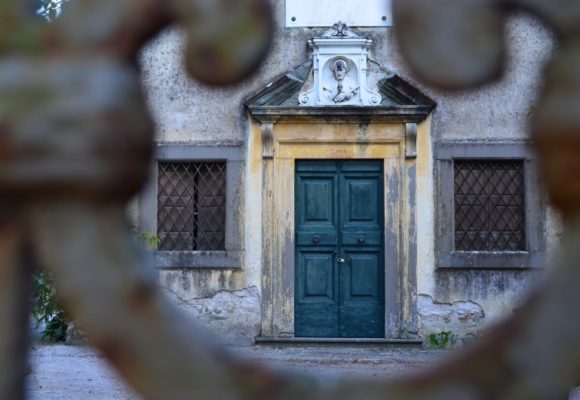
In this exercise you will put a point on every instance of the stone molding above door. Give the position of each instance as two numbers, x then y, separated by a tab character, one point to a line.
379	94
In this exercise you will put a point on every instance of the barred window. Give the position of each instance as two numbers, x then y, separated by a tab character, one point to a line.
191	209
489	198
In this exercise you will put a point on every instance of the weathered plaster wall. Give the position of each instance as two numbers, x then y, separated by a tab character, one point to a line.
133	213
192	284
188	112
500	110
253	211
218	299
425	214
498	292
495	113
235	316
461	317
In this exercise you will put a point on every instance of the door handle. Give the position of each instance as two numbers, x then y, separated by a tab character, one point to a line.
341	260
316	239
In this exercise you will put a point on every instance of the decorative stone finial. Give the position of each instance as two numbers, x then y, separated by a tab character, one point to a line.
340	29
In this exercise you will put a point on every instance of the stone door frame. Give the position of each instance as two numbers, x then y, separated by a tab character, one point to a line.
279	145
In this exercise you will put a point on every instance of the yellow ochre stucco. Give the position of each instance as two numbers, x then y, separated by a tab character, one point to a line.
329	140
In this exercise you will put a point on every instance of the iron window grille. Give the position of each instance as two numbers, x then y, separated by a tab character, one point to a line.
490	210
191	210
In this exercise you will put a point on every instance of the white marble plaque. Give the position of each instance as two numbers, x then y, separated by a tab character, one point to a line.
301	13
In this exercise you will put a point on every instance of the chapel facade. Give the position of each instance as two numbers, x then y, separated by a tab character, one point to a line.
333	197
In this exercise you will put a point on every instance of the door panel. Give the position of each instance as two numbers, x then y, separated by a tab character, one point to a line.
317	198
360	192
362	291
316	298
361	322
318	275
362	202
363	278
316	209
360	166
316	309
339	249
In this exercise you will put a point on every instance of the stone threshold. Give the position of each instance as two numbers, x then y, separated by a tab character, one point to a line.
339	341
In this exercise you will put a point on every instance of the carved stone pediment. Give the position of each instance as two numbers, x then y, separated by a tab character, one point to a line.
340	67
311	90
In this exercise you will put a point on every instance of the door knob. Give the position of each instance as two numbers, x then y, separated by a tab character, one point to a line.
316	239
362	239
341	260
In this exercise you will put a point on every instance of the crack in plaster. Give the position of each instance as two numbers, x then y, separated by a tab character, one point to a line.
460	317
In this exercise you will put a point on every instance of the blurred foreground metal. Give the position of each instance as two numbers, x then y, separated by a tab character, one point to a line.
75	144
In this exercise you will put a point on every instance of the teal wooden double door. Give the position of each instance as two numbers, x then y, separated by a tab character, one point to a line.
339	260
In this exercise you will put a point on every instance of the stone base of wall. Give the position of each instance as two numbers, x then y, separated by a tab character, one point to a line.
462	318
75	336
235	315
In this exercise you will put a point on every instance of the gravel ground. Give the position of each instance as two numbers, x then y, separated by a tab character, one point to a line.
70	372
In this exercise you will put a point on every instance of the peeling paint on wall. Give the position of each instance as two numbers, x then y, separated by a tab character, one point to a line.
460	318
499	292
193	284
235	315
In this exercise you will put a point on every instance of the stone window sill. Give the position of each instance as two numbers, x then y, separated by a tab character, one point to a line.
197	259
490	260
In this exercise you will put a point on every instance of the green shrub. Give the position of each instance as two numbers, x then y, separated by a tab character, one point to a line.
46	310
149	241
442	340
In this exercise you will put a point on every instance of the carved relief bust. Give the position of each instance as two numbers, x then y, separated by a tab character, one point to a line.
339	73
343	87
